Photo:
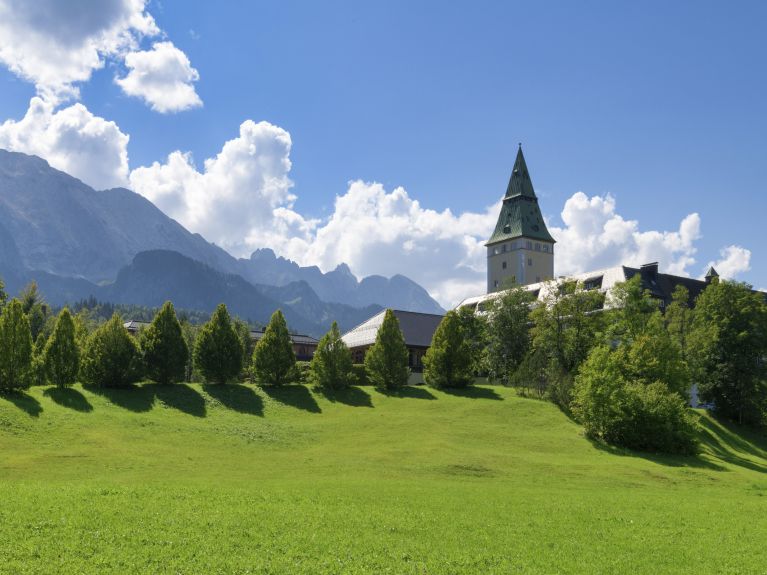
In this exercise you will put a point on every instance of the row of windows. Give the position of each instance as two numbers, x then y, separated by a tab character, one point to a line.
528	245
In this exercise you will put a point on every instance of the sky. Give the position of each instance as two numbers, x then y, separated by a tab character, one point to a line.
382	134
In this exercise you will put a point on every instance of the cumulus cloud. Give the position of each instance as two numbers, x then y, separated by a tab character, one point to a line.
56	45
380	232
733	260
72	140
240	199
162	77
595	236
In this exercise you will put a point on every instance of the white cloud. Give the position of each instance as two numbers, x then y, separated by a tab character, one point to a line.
163	77
380	232
241	199
72	140
733	260
595	236
56	44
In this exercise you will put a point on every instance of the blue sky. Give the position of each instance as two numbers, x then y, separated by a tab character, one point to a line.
653	110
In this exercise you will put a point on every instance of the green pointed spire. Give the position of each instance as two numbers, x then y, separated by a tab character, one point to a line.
520	183
520	215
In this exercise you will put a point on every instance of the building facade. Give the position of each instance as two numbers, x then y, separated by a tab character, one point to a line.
521	249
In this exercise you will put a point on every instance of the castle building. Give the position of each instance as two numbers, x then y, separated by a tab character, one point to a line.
521	249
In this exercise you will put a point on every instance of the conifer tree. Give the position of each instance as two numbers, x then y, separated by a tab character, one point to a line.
274	361
112	357
386	362
62	356
15	347
448	362
163	347
331	366
218	351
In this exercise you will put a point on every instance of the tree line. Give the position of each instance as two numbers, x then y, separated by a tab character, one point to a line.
37	347
614	361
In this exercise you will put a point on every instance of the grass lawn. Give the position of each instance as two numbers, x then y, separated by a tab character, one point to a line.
238	479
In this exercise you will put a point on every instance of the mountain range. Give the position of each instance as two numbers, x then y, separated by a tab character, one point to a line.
118	246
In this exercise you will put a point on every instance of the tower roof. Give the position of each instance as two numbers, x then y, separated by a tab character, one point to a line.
520	183
711	273
520	214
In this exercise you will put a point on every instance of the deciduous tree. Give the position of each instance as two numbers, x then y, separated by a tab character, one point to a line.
729	350
508	332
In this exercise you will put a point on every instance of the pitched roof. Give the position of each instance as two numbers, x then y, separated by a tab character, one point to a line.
520	214
417	329
296	338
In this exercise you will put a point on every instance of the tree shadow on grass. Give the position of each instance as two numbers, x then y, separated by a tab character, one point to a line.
410	391
69	397
180	396
136	398
728	442
353	396
473	392
24	402
237	397
668	460
297	396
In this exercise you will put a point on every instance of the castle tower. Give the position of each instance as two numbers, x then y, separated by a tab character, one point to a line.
521	250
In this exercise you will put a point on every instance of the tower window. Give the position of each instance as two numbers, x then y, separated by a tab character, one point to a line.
503	265
529	261
496	251
495	283
545	248
504	248
513	245
537	247
537	279
529	245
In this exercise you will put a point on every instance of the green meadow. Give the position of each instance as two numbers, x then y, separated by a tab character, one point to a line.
242	479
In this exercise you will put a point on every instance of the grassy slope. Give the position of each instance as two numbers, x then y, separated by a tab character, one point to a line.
198	479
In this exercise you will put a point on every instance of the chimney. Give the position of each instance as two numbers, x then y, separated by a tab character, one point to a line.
649	270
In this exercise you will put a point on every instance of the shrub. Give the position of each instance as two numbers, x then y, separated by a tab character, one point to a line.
303	371
386	362
274	361
163	347
62	356
15	347
448	361
111	357
218	350
637	415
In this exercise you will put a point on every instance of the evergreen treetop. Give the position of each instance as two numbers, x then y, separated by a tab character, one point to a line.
163	347
274	361
386	362
62	354
218	351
